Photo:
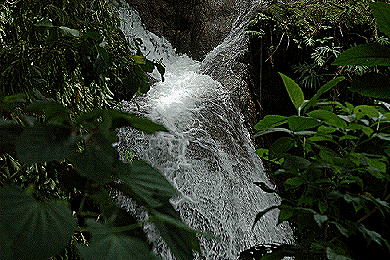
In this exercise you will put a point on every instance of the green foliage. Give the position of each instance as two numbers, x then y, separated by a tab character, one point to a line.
62	63
68	52
333	169
86	143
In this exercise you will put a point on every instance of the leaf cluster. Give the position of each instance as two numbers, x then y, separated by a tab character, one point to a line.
36	225
333	164
72	51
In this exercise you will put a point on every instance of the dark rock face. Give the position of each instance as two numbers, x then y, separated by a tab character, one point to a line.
193	27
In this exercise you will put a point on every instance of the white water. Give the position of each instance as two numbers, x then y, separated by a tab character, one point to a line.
207	155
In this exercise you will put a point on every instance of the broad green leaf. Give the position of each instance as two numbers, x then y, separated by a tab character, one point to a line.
365	110
369	54
365	129
381	12
262	152
42	143
281	146
300	123
329	117
34	230
93	35
295	162
68	31
285	213
332	255
9	133
148	66
54	112
180	241
106	244
295	181
270	121
294	91
376	163
264	187
145	181
96	162
325	88
122	119
372	85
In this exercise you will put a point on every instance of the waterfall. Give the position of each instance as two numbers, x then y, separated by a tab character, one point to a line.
207	155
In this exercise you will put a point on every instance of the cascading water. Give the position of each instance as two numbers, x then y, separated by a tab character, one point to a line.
207	153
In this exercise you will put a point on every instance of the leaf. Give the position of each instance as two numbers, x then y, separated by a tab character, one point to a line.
34	230
365	110
96	162
9	133
286	212
122	119
42	143
145	181
68	31
270	121
325	88
369	54
343	230
322	206
280	147
372	85
295	181
44	23
264	187
106	244
329	118
180	241
54	112
295	162
320	219
262	213
381	12
161	70
139	59
370	235
299	123
294	91
332	255
365	129
103	53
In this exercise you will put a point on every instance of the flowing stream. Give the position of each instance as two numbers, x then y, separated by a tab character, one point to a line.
207	153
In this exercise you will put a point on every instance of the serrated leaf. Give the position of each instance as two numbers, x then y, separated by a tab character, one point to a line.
145	181
329	117
294	91
42	143
106	244
381	12
270	121
34	230
369	54
365	129
300	123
